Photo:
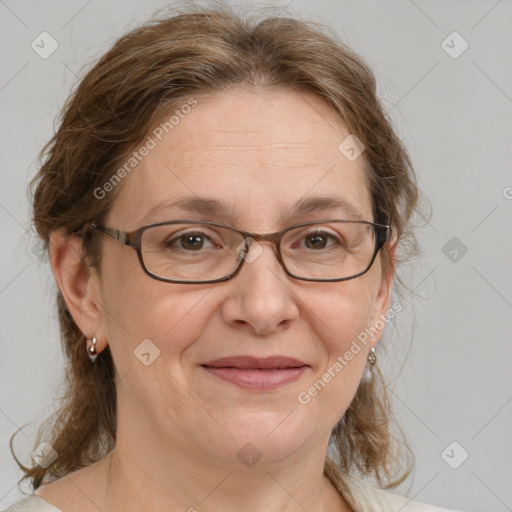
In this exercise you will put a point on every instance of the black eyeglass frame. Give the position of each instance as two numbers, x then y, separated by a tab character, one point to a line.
133	239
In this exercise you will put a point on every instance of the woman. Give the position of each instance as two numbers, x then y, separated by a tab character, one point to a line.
224	205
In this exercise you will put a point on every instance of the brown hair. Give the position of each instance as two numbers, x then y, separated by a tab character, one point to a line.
149	72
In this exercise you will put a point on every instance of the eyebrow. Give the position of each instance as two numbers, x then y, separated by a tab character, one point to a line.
211	207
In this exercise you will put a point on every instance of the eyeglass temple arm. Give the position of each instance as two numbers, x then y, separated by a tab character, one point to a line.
116	234
384	234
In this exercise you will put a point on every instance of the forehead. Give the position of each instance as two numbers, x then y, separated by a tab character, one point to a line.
255	153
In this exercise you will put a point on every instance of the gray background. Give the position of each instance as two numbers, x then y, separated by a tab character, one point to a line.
449	364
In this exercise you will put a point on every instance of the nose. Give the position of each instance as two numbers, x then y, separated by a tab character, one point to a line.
261	299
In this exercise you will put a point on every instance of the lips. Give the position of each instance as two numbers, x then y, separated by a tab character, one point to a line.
255	373
249	362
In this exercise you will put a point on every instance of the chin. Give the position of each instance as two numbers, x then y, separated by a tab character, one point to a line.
268	436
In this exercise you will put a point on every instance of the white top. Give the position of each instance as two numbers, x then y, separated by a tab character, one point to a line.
360	495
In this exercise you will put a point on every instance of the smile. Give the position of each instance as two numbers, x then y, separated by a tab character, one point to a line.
257	374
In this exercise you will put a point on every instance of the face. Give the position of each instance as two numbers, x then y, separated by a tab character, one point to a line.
260	153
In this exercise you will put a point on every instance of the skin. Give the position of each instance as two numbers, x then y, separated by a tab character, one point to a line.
179	428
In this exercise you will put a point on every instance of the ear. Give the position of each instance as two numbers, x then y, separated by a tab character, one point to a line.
381	311
79	285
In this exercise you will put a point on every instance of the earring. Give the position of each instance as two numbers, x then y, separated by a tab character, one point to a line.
91	349
372	356
368	370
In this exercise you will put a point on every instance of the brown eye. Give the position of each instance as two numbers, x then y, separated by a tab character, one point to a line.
316	241
192	241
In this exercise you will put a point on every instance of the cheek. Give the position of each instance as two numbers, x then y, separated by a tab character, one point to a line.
138	308
342	313
340	320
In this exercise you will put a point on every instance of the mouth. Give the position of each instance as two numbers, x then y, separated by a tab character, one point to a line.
257	374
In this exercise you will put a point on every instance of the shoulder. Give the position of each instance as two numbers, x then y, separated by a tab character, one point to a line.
363	496
32	503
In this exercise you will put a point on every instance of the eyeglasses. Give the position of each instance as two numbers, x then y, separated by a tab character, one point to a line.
194	252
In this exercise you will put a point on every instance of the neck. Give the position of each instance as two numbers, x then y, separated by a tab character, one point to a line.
139	478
